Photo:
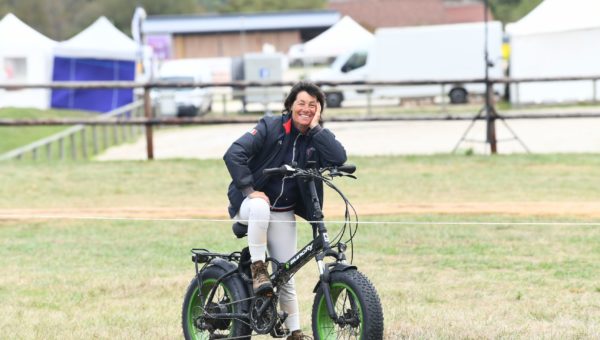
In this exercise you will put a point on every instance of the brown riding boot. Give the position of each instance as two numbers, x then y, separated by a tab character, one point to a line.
298	335
261	284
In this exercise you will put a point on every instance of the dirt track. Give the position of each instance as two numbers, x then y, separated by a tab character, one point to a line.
549	209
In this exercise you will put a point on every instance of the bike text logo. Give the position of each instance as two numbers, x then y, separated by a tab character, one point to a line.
300	254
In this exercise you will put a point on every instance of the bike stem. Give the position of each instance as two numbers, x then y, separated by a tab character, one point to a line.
318	224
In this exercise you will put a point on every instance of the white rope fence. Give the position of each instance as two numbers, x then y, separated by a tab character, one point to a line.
147	219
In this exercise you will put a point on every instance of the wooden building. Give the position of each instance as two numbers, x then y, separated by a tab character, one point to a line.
232	35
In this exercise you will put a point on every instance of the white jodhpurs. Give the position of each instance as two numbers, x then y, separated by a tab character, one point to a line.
274	232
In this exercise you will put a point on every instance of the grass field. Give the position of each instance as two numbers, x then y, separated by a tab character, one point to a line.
14	137
73	147
72	278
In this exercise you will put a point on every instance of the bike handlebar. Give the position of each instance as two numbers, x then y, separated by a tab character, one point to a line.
282	170
345	169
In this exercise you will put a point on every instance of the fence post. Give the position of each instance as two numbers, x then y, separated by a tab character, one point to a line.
123	129
73	150
61	148
148	115
95	139
130	131
104	137
115	134
48	151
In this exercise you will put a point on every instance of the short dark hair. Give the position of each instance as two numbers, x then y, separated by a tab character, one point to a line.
309	88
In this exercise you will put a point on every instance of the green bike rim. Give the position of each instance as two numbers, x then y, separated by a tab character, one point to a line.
196	303
325	325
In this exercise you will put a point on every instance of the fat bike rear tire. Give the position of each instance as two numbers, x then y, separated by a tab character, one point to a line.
356	301
228	291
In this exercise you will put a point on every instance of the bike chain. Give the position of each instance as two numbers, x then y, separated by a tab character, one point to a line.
207	314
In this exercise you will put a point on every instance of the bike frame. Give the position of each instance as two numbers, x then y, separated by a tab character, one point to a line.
318	248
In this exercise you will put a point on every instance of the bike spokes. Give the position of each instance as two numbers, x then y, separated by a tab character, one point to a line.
206	326
347	307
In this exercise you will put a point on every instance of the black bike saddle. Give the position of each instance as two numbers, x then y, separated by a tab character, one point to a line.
239	230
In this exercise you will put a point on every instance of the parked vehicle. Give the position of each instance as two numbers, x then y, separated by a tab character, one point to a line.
259	68
439	52
185	101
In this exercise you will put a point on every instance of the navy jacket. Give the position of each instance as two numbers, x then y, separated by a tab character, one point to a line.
261	148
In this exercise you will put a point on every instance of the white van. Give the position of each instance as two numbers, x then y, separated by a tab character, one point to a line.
439	52
183	102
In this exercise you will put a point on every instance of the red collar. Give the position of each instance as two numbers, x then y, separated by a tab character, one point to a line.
287	126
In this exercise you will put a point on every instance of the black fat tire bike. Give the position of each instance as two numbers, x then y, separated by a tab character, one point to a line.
220	303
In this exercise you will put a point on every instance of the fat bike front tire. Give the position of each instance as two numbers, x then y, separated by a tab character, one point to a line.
227	293
356	301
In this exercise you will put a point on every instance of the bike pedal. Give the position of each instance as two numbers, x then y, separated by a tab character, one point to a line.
264	292
280	331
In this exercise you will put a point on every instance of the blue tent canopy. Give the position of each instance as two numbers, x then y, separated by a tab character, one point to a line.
99	53
86	69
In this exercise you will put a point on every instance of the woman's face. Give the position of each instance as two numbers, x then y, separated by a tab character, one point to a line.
303	110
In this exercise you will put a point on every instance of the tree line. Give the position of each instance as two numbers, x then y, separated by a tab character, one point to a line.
62	19
512	10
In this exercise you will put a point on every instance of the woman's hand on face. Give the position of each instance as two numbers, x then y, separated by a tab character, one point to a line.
315	121
261	195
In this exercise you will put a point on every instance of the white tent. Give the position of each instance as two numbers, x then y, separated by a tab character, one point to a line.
337	39
25	57
559	38
101	40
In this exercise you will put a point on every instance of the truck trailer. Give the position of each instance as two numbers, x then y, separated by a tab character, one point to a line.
420	53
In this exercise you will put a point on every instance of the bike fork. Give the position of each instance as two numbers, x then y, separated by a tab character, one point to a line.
324	281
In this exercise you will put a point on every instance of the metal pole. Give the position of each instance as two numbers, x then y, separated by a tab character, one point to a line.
123	130
104	137
73	147
84	152
148	115
61	148
490	115
490	119
95	140
130	131
115	134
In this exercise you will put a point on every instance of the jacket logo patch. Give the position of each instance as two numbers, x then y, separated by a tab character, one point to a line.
253	132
